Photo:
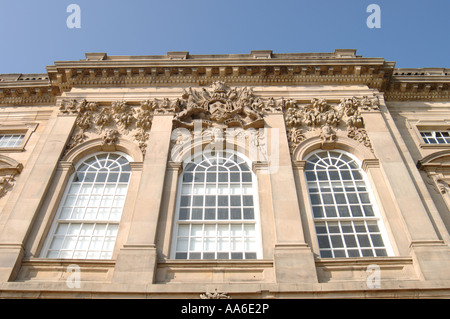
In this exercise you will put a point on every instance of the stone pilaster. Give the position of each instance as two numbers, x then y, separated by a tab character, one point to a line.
293	259
425	243
16	229
136	261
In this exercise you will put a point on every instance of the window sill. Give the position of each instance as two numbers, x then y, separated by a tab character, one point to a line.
435	146
357	269
215	263
215	271
43	269
362	261
12	149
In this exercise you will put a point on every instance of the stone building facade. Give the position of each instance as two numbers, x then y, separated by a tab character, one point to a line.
258	175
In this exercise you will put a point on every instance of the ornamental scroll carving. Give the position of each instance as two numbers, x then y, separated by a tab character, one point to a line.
325	120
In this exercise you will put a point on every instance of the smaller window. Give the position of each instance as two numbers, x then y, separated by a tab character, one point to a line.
11	140
436	137
14	137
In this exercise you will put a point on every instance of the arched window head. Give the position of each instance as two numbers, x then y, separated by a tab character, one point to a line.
346	219
87	220
217	215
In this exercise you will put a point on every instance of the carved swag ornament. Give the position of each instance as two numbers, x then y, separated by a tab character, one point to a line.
110	122
218	107
323	119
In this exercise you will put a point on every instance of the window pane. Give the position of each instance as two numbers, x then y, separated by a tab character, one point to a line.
224	194
97	208
341	194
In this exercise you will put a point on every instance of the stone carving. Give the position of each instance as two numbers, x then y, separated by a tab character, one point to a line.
219	106
144	119
111	137
9	168
360	135
273	107
222	107
104	118
76	139
324	119
442	185
215	295
350	107
295	136
370	103
5	184
328	137
142	136
166	106
69	106
218	139
108	122
123	113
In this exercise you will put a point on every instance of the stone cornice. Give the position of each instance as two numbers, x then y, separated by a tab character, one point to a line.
262	67
419	84
17	89
258	67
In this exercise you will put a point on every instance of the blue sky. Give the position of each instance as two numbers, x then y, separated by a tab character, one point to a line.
34	33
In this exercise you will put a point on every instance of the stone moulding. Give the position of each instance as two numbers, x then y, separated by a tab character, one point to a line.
260	67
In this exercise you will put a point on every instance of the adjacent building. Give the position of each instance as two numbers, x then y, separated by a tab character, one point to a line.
261	175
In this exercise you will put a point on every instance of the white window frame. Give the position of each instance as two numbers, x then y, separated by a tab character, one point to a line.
426	139
335	229
217	223
6	138
96	224
25	130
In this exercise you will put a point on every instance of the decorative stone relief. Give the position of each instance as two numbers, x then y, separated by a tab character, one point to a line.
443	185
370	103
328	137
123	114
360	135
215	295
108	122
222	106
111	137
68	106
254	140
104	118
295	136
319	118
6	184
9	169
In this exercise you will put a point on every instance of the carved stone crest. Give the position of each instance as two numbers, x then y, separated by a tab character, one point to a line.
219	106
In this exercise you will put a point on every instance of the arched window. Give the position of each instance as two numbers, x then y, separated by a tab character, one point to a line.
87	220
217	215
345	216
